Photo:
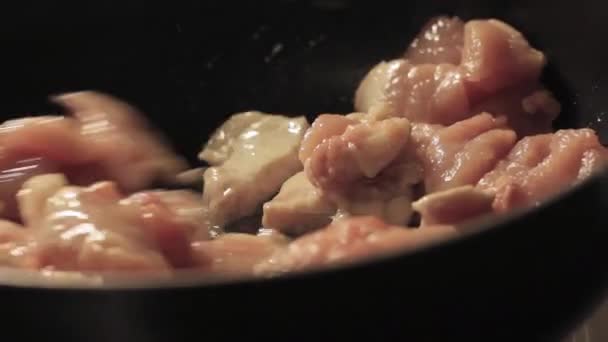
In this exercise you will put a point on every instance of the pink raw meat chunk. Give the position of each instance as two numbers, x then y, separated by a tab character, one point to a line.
497	72
462	153
107	139
543	165
348	240
95	228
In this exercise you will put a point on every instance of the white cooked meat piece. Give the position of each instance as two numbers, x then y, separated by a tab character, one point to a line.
298	208
220	144
263	157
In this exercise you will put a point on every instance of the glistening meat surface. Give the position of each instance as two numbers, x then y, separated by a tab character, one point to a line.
83	146
431	85
455	128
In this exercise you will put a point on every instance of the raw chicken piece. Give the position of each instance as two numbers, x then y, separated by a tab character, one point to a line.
541	101
362	167
85	229
496	56
298	207
528	109
437	89
34	146
543	165
439	41
14	240
13	173
373	95
183	208
83	148
453	206
349	240
220	145
324	127
105	123
236	254
263	157
388	196
33	195
95	229
433	93
462	153
357	152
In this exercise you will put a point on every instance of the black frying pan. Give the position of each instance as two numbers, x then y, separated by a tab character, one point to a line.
190	64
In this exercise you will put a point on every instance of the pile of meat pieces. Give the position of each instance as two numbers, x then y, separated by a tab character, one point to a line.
74	196
456	129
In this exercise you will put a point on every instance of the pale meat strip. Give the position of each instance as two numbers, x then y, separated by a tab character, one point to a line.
454	206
